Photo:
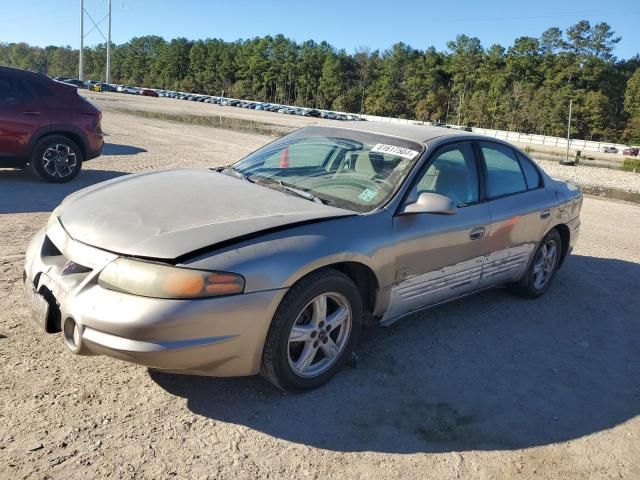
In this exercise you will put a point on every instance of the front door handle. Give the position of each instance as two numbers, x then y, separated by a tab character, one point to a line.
546	213
477	233
31	113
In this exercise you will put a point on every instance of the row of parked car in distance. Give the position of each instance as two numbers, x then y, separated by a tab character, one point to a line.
231	102
107	87
269	107
254	105
631	151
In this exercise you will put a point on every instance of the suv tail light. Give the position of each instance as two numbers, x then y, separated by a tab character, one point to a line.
98	126
96	119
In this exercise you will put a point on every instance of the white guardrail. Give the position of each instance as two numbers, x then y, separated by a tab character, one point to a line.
574	143
517	137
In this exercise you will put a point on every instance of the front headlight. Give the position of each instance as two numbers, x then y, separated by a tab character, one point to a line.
159	280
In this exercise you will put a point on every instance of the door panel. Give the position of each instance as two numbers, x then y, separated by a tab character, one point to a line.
21	114
435	258
518	223
439	257
518	220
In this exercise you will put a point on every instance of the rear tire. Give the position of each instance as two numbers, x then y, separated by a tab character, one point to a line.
326	339
56	159
542	269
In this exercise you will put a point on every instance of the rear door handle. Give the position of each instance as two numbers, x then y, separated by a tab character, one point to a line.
546	213
31	113
477	233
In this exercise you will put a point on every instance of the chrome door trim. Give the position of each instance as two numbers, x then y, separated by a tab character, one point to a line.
391	319
419	291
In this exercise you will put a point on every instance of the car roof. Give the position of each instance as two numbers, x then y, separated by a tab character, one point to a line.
19	71
417	133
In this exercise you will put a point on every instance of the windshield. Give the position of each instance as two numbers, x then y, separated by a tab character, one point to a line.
349	169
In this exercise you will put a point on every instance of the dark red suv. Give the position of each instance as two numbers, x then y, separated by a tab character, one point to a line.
46	125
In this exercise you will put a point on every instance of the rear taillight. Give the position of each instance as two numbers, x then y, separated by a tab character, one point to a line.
98	121
95	121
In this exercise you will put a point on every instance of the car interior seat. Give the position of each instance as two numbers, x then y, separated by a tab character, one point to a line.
454	183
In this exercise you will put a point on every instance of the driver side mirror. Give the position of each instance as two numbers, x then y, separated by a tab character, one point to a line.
429	202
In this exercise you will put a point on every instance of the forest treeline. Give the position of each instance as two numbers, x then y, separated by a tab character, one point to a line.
523	87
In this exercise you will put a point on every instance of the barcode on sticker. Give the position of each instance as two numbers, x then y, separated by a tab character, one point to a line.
394	150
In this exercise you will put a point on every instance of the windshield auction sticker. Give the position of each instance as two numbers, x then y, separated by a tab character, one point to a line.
394	150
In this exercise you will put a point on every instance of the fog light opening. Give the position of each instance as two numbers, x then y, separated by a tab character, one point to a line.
72	334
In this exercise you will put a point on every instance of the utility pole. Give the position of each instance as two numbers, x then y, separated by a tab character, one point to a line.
81	63
108	79
569	129
446	118
96	26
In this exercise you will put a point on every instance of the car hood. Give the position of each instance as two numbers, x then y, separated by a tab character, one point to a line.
168	214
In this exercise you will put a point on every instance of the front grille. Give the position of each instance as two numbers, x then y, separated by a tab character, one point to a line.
63	269
71	268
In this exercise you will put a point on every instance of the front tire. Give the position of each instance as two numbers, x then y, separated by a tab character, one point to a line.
313	331
542	269
56	159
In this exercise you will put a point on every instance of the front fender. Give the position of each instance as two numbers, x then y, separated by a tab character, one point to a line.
280	259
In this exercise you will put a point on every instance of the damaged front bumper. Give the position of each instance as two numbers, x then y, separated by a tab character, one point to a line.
221	336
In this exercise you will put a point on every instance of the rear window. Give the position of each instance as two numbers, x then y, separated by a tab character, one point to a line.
40	89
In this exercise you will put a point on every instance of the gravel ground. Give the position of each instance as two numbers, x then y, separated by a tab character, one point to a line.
583	175
490	387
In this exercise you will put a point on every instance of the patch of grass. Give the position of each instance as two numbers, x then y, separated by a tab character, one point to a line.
528	149
214	121
631	164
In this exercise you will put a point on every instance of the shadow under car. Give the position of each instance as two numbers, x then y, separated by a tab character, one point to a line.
489	372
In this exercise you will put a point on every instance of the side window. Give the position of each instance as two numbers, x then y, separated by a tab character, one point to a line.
6	90
504	175
531	173
40	89
453	173
12	91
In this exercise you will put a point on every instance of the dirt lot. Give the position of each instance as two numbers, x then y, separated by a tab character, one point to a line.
489	387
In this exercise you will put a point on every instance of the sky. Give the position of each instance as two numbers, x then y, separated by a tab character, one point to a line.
343	23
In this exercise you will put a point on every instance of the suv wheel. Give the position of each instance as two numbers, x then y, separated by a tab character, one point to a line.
56	159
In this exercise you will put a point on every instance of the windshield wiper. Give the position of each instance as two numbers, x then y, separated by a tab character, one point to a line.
290	188
302	193
235	173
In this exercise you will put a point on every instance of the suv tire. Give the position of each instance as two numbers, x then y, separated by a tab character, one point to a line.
56	159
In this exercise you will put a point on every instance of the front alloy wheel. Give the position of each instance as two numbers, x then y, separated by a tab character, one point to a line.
319	335
313	331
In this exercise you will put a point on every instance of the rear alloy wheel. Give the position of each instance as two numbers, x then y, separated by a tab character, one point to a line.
538	276
56	159
545	264
313	331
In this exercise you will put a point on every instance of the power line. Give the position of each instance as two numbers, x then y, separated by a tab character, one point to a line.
533	17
